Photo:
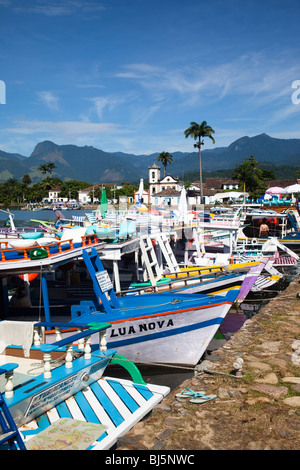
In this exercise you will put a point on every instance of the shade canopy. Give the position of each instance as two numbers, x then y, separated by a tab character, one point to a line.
275	190
294	188
230	195
265	197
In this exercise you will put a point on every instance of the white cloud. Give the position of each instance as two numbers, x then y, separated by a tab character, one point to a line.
49	99
284	113
258	77
54	8
26	134
109	102
67	128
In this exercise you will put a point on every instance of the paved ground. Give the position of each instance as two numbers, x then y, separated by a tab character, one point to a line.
258	411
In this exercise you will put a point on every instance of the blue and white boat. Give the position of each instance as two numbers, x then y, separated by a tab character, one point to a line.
161	328
69	404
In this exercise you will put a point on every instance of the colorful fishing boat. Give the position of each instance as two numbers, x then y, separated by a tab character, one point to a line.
30	258
165	328
283	226
215	276
69	404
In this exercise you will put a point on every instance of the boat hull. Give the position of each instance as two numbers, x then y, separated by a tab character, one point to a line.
178	338
218	285
176	335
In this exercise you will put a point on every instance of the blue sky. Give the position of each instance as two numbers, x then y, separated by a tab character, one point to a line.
130	75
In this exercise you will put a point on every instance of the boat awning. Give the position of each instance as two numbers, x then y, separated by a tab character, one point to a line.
230	195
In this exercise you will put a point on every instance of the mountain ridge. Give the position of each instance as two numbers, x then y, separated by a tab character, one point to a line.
94	165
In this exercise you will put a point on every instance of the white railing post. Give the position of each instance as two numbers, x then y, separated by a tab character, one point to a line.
80	341
47	365
58	333
102	340
69	356
36	336
9	388
87	349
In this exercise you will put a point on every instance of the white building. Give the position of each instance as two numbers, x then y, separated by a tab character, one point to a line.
157	186
145	196
54	195
168	198
84	195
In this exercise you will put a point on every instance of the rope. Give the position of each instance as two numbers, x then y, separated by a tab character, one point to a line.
58	361
222	373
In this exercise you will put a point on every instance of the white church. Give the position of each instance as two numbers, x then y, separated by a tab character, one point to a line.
166	190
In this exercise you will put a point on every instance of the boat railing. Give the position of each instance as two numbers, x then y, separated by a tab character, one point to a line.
182	278
57	247
82	337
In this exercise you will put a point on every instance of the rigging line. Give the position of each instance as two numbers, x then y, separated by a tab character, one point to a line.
173	302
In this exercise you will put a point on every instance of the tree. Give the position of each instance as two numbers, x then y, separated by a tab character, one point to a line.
13	189
47	168
251	176
198	132
165	158
49	183
26	180
127	190
71	188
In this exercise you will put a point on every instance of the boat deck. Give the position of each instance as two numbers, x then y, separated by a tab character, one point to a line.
117	404
73	406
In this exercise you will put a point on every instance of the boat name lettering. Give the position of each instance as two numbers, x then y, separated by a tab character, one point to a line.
128	330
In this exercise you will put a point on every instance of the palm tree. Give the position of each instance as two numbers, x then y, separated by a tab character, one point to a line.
26	180
47	168
198	132
165	158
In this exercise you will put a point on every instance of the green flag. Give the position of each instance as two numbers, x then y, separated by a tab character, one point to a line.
103	203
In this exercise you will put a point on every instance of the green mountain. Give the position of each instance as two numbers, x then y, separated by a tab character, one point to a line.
264	148
94	165
12	165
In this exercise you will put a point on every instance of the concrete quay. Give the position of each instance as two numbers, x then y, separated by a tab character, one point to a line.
260	410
